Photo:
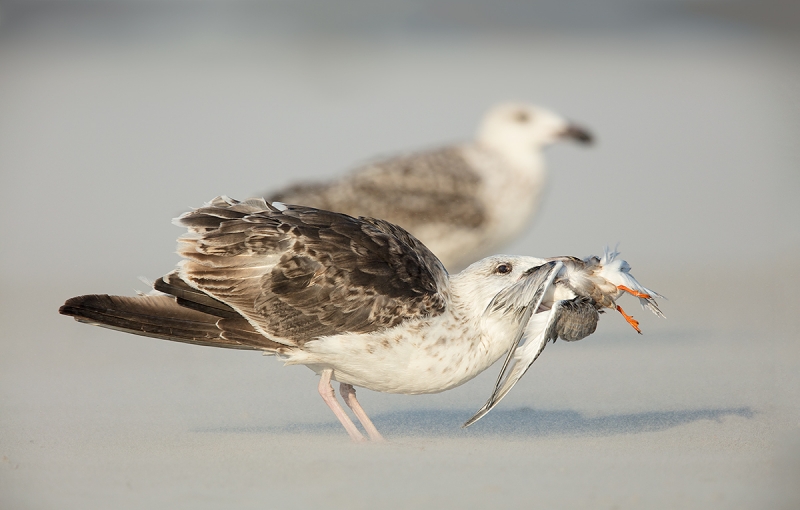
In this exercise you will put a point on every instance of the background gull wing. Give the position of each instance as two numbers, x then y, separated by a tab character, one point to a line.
420	188
524	298
298	273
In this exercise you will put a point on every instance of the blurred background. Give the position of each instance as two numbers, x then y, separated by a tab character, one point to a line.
118	115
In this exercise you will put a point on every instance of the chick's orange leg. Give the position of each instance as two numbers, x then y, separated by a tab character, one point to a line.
633	322
634	292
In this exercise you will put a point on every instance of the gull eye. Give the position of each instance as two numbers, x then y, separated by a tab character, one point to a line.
522	116
503	269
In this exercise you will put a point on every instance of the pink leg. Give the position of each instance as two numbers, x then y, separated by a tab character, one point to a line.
349	396
326	390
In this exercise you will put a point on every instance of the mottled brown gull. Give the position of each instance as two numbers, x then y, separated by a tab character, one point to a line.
462	201
360	301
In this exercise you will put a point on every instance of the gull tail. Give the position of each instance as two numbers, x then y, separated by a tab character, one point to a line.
181	318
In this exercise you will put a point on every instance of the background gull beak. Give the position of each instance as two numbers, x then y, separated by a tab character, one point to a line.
578	133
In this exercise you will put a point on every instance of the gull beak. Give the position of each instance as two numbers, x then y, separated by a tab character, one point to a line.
577	133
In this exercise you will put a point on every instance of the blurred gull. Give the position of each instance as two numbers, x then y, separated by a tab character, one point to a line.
360	301
463	201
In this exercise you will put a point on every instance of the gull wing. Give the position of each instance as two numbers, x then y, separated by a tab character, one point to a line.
297	273
524	298
438	185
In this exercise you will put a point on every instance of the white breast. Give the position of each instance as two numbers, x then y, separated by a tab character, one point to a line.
426	356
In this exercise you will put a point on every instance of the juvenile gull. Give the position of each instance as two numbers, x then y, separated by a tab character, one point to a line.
359	301
462	201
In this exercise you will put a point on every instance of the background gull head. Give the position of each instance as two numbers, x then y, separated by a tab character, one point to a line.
517	127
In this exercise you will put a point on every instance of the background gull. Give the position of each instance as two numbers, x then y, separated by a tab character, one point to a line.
463	201
359	301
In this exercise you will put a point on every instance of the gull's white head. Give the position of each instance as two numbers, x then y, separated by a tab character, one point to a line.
512	127
480	283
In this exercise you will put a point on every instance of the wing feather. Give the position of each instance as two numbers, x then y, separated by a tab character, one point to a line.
526	301
415	189
300	273
159	317
569	320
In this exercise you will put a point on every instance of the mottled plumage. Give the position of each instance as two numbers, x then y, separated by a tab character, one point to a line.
432	186
357	300
462	201
328	273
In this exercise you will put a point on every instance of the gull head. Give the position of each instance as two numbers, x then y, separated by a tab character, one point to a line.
497	285
519	126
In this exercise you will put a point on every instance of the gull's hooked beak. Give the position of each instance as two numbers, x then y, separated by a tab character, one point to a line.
577	133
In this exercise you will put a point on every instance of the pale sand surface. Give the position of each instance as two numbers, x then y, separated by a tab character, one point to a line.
693	417
109	128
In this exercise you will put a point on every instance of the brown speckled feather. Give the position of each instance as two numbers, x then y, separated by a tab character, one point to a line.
162	317
301	273
412	190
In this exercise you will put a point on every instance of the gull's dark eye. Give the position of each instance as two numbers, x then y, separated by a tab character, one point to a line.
522	116
503	269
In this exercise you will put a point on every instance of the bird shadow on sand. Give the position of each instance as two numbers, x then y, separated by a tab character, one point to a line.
520	422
